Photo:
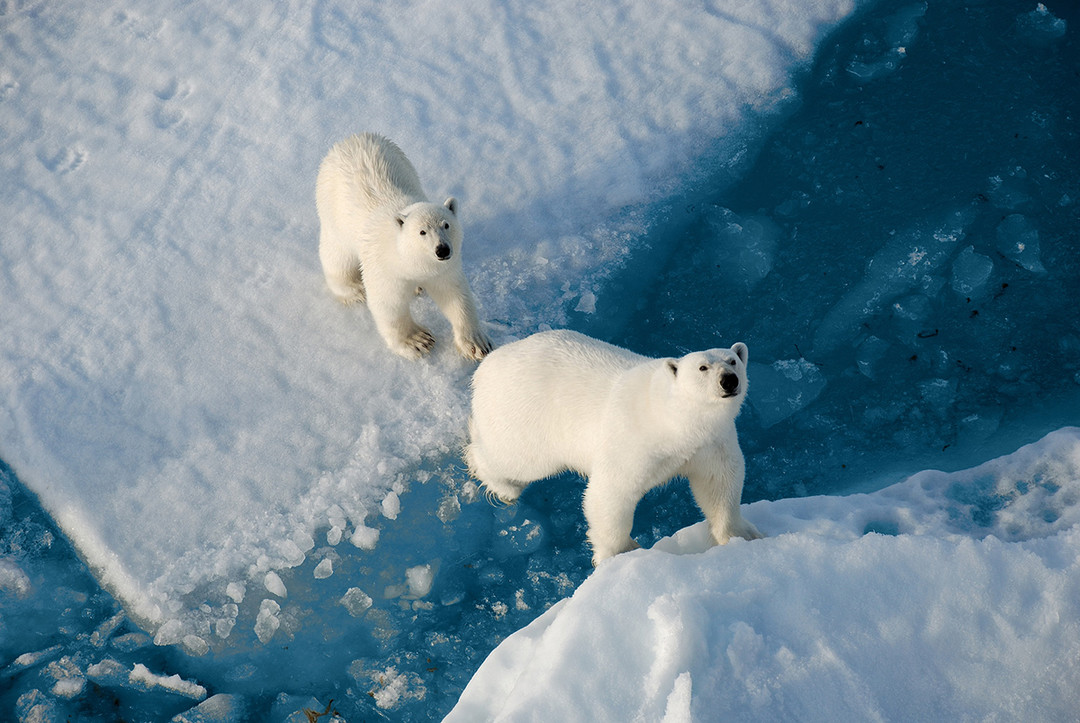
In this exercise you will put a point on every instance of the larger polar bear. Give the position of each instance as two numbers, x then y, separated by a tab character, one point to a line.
559	400
380	240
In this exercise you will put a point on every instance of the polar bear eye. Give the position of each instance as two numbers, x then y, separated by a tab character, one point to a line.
703	368
423	232
446	225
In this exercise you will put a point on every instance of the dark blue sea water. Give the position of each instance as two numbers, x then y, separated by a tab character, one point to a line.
902	257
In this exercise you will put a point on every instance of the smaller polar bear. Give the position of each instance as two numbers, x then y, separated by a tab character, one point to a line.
559	400
380	240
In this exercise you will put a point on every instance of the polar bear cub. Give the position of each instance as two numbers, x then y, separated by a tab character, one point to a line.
380	240
559	400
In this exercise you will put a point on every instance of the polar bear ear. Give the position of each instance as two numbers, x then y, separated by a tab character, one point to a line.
673	367
741	351
400	219
451	205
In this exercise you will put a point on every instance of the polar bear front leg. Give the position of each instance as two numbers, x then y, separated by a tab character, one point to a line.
396	325
716	479
457	304
609	505
341	269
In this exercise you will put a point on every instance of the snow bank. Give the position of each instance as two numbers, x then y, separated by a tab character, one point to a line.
179	389
944	597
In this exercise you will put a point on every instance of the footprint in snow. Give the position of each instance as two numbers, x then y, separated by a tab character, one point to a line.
64	161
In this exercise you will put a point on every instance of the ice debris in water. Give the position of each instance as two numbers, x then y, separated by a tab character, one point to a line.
1018	241
273	583
743	245
1040	26
783	388
356	601
365	537
267	621
391	505
324	569
970	272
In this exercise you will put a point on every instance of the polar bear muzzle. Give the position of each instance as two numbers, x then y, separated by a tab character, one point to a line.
443	252
729	383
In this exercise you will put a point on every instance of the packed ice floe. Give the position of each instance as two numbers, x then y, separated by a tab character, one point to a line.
184	396
947	596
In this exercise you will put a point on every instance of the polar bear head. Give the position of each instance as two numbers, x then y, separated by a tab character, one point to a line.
713	376
429	234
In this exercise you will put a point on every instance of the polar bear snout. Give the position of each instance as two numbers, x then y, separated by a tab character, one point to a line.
443	252
729	384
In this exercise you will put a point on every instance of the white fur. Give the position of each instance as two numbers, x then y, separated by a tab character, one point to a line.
559	401
379	237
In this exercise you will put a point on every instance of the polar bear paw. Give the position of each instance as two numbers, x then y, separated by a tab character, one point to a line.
415	344
741	528
600	553
475	346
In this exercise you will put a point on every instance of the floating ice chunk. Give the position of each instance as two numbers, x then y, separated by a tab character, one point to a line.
939	394
391	687
336	516
783	388
104	631
303	539
267	622
29	660
391	505
1009	191
900	31
273	583
975	428
356	601
520	539
235	591
13	580
365	537
36	706
107	672
333	535
869	354
587	303
170	633
907	261
68	677
292	553
449	508
324	569
220	708
143	679
195	646
419	579
970	272
1040	26
1018	241
744	246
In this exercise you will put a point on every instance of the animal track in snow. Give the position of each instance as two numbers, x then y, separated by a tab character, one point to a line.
63	161
167	112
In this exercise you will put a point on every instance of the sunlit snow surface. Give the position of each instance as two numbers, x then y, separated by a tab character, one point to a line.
279	502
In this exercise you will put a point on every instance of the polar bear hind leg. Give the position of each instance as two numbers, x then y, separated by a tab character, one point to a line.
342	271
496	487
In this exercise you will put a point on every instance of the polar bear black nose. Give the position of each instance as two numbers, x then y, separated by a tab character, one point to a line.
442	251
729	383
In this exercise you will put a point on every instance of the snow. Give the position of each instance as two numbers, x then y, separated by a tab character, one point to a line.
269	512
882	606
183	395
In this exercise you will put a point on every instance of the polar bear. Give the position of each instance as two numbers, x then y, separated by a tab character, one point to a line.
559	400
381	240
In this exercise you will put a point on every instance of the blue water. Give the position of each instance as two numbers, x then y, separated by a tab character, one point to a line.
872	247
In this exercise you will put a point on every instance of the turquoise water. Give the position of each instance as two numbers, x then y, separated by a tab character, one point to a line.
879	258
